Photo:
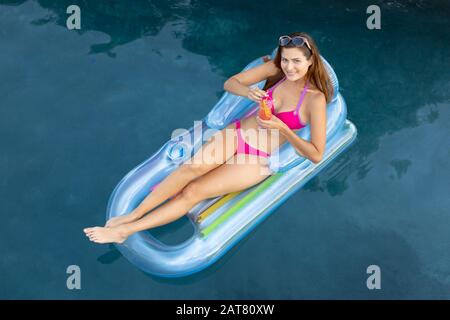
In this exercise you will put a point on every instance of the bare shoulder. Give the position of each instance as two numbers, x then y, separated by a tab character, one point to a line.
316	108
318	97
317	102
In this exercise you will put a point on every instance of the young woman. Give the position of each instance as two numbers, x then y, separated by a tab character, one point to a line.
300	88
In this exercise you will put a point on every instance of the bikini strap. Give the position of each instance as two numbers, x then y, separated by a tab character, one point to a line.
301	97
238	130
274	86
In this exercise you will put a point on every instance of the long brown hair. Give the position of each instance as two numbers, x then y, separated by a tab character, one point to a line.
316	74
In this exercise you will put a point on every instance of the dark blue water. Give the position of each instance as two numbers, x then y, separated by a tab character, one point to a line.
79	109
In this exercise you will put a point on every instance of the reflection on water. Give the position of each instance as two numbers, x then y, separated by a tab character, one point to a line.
111	256
89	114
400	166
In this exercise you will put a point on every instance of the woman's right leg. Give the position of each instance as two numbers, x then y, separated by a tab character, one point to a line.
212	154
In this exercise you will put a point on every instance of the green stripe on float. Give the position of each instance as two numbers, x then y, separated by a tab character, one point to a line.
241	203
216	206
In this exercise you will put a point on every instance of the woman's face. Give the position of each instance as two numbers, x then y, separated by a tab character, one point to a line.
294	63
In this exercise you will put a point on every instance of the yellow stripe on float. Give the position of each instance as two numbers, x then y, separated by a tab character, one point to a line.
216	206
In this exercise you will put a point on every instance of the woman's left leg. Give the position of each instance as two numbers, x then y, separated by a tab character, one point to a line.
227	178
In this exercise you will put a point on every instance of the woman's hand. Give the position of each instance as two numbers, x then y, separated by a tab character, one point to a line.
256	94
272	123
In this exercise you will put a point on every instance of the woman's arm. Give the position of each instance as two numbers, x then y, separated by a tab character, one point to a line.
315	149
239	83
234	86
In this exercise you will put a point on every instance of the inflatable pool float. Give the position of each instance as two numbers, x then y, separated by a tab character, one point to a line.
219	223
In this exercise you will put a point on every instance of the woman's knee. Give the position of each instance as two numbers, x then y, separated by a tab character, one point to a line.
192	192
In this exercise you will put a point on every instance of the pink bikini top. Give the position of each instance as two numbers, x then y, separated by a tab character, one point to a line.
291	118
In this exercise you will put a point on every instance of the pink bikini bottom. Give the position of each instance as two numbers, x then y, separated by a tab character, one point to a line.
244	147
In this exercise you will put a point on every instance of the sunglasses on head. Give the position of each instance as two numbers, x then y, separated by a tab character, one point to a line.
297	41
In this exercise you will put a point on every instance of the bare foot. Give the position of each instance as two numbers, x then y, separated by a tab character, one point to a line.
106	235
117	221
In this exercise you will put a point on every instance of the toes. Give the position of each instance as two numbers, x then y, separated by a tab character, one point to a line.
89	230
91	235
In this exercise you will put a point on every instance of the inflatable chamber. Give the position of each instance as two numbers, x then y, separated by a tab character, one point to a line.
219	223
